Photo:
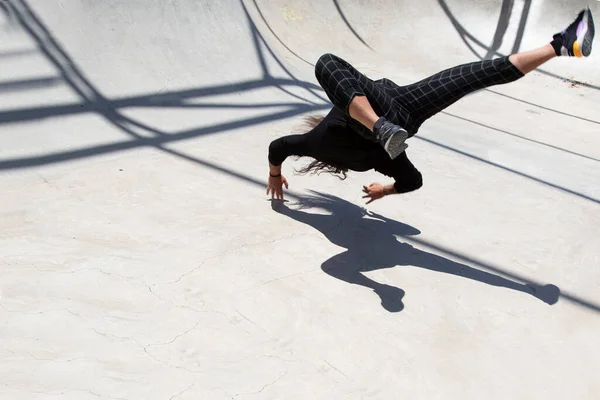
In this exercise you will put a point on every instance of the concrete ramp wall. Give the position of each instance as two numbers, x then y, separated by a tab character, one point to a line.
140	258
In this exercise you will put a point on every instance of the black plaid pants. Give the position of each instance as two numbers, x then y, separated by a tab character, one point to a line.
409	106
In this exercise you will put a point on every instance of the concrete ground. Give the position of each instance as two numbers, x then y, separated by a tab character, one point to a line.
141	259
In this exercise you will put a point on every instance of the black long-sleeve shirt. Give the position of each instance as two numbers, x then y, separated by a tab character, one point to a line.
335	142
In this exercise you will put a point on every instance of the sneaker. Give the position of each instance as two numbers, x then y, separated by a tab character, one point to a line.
391	137
576	40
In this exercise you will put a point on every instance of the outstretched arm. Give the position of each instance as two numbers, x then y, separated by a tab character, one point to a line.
279	150
276	182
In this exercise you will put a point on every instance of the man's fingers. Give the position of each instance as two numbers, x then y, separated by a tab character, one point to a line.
286	184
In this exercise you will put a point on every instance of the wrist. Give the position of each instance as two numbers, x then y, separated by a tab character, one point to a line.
389	189
274	170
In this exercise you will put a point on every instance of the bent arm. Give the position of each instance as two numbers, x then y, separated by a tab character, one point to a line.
407	177
402	185
406	184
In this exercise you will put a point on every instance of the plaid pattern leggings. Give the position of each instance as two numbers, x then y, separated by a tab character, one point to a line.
409	106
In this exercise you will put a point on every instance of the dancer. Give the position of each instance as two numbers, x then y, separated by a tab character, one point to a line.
370	121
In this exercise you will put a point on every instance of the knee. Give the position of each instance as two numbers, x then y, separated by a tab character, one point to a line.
326	58
320	66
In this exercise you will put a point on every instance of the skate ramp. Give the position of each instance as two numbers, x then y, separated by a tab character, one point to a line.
140	258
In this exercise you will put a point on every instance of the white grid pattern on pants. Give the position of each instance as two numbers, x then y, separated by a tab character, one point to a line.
431	95
342	82
409	106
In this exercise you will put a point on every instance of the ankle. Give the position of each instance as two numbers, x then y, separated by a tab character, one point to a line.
557	44
378	124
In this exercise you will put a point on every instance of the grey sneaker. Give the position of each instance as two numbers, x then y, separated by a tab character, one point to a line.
391	137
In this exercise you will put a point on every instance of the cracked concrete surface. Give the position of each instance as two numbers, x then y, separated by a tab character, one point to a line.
140	258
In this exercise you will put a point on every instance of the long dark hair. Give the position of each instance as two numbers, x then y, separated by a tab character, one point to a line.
318	167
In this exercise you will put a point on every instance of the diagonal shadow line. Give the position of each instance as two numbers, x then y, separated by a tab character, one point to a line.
29	84
503	21
257	36
522	25
216	90
16	53
33	113
339	9
461	30
148	100
524	175
257	39
276	36
27	162
6	10
463	33
166	99
543	107
224	105
55	54
123	121
572	298
520	137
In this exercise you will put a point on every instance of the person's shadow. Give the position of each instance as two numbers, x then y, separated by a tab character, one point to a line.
371	245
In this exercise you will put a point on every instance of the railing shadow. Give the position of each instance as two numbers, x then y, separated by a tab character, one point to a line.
28	84
110	109
503	131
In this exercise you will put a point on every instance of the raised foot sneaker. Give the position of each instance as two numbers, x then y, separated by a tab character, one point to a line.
576	40
391	137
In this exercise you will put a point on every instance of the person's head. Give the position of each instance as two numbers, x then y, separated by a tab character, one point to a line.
316	166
